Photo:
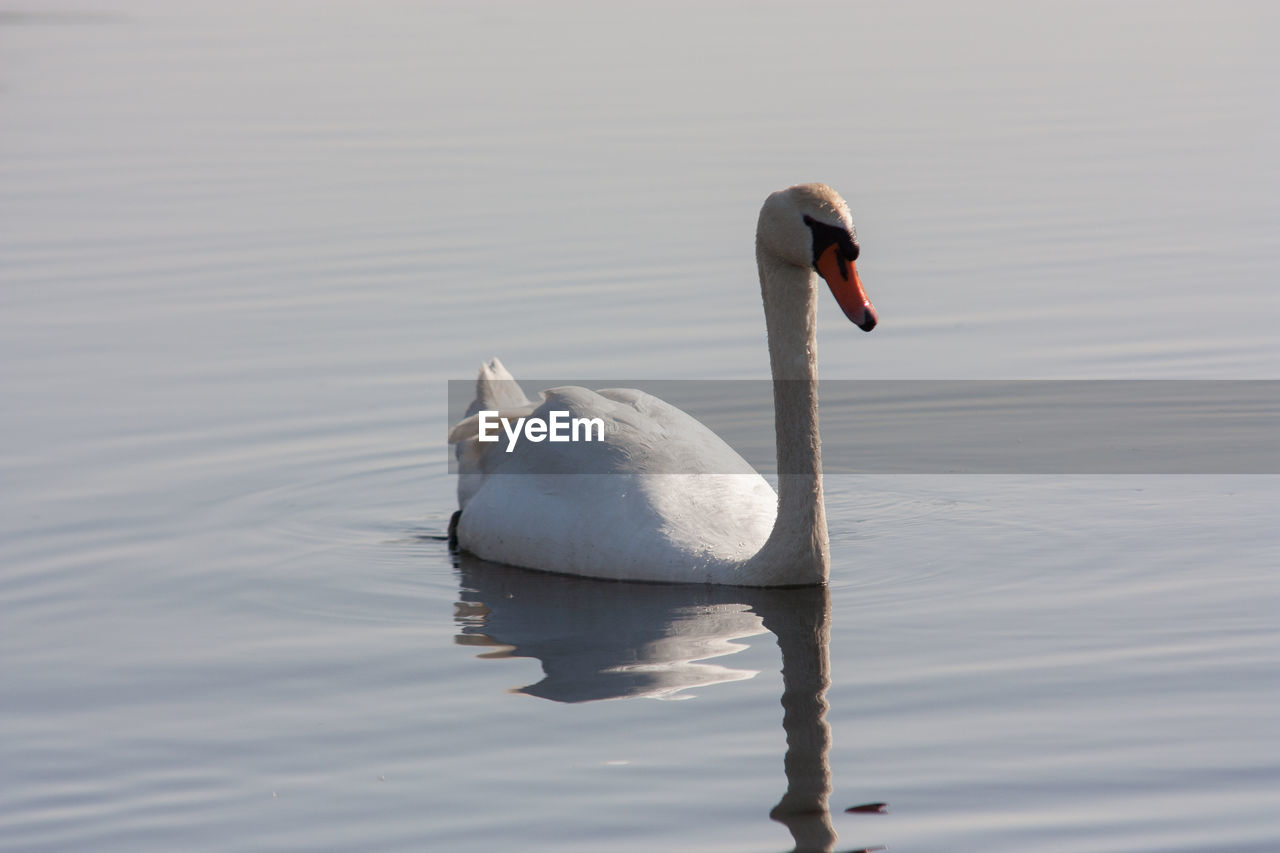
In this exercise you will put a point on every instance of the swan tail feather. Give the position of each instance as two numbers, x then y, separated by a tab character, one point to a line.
496	389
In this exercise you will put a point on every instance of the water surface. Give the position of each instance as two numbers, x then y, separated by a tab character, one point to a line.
246	248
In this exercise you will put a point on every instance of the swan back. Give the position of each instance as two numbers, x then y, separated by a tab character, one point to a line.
661	497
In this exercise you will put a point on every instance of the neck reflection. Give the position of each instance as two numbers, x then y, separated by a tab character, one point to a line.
606	640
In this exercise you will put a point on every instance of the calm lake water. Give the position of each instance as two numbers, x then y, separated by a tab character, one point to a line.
246	246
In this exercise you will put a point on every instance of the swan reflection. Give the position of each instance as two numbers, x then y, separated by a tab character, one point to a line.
610	640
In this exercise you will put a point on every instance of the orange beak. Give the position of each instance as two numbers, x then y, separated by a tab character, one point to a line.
841	276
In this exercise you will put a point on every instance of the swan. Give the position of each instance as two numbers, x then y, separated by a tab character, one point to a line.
613	509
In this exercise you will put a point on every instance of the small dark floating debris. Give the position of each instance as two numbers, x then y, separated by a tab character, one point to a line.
869	849
870	808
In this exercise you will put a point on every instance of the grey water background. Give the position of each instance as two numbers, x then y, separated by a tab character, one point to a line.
245	247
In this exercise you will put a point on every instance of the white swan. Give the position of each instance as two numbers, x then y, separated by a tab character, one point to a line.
718	521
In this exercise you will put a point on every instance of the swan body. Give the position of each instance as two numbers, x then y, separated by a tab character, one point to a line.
615	508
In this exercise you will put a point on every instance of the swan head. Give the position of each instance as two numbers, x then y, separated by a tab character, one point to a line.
809	226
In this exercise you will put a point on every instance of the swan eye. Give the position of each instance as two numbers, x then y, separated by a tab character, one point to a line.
825	236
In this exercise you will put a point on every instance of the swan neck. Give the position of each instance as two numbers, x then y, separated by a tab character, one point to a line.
798	544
